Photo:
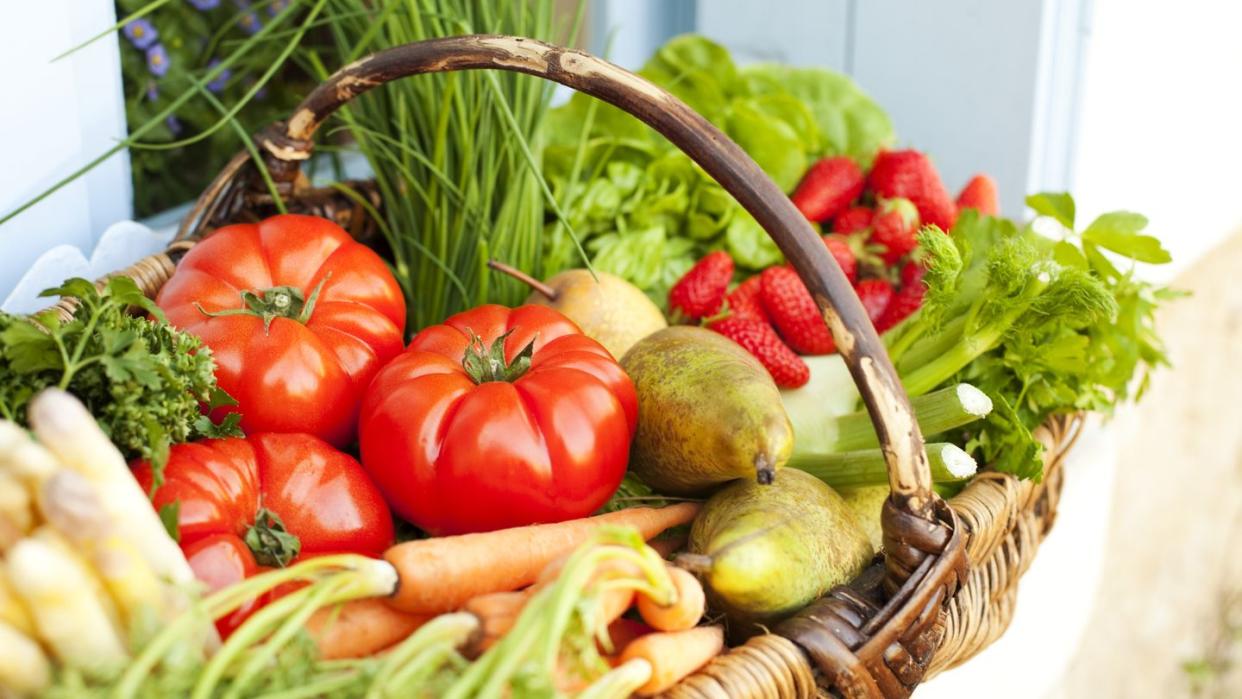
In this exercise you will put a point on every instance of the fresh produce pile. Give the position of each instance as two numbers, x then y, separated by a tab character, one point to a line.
583	495
645	211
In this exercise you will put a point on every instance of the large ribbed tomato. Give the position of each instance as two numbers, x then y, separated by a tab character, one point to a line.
298	316
498	418
267	500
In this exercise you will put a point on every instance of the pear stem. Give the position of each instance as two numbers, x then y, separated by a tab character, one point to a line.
694	562
765	470
525	278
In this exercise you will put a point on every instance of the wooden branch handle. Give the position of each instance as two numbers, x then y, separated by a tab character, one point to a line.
721	158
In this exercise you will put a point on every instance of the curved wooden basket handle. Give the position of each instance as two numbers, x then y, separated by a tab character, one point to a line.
289	143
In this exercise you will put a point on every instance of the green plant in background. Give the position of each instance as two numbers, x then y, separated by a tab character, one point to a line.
162	53
645	211
455	156
1217	671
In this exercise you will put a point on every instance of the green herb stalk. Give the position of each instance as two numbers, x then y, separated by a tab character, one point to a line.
1042	326
853	469
455	156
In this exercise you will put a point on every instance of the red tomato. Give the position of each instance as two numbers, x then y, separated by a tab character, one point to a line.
298	316
533	424
321	499
221	560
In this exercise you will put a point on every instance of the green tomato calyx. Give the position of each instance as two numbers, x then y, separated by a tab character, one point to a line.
276	302
269	541
484	364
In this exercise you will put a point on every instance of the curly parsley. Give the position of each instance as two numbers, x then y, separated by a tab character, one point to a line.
143	380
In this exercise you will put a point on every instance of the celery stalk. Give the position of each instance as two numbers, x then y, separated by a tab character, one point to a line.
852	469
939	411
934	359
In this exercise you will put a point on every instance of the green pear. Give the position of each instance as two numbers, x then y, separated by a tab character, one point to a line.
607	308
708	412
764	552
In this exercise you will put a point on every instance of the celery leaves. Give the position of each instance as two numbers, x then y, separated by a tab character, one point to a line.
1042	326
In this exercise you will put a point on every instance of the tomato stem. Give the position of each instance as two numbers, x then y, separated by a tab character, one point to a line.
484	364
276	302
270	542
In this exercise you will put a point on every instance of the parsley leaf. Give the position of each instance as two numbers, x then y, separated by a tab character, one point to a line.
141	378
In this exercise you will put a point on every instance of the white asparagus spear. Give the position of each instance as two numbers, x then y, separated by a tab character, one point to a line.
65	427
16	517
12	611
71	612
24	669
71	505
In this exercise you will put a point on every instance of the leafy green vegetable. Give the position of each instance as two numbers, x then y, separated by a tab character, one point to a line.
619	181
455	156
633	492
143	380
1042	326
849	122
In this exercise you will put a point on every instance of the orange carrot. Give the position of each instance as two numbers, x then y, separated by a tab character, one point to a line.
440	575
360	627
673	655
608	568
684	612
623	631
613	602
497	613
667	546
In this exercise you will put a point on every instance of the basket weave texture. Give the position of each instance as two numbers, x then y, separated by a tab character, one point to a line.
946	584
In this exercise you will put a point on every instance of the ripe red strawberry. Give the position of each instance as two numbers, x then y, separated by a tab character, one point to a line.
875	295
907	300
980	193
701	291
828	187
904	302
843	254
894	229
912	273
744	302
757	337
910	174
793	312
853	220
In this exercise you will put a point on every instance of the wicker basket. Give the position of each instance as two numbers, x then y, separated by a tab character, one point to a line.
946	584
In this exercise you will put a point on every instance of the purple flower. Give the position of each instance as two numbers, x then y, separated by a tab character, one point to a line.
173	124
217	85
157	60
153	91
277	7
141	33
250	23
205	4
